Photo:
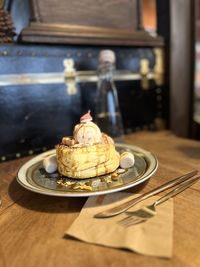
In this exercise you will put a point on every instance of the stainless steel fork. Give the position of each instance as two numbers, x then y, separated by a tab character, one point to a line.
145	213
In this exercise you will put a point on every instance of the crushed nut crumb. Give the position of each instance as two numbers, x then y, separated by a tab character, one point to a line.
83	187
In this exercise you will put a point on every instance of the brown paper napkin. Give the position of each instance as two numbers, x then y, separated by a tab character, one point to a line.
153	237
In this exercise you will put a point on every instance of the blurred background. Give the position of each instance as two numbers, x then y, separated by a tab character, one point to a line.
156	43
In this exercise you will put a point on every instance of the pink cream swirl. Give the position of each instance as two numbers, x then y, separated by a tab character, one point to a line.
86	117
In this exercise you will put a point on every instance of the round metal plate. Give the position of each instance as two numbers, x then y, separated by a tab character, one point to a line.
33	177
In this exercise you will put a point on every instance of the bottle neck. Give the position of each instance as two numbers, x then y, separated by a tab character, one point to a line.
105	71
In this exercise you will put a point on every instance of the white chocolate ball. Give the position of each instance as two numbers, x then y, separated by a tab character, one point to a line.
127	160
50	164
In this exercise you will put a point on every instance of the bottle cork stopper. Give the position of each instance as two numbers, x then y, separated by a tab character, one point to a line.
107	56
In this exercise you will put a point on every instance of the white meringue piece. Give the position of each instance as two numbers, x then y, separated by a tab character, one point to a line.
127	160
87	133
50	164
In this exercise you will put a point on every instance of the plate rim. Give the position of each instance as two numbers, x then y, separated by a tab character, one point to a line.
22	179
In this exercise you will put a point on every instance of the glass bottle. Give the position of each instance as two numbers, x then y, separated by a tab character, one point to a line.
108	116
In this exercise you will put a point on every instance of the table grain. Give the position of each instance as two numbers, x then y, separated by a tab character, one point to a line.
32	226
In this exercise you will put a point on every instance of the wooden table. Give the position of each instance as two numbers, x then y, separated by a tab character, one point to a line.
32	226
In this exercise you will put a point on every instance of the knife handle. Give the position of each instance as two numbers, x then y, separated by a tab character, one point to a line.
180	188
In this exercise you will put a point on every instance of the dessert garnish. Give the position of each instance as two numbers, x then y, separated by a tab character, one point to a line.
127	160
86	117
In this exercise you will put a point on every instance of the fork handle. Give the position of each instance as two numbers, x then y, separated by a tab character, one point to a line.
180	188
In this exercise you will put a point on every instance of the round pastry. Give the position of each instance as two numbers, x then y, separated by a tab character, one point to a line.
87	161
88	153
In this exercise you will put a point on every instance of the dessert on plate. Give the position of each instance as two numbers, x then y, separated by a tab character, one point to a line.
88	153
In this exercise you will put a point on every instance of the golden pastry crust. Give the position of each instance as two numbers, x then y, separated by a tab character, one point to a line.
83	162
